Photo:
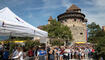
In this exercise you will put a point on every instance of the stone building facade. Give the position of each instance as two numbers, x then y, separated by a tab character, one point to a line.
74	19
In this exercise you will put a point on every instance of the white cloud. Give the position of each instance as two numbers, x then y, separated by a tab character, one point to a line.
47	4
99	3
95	13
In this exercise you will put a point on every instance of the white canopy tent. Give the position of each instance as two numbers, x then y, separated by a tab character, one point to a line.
12	25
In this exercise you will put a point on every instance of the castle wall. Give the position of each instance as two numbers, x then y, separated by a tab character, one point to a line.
78	29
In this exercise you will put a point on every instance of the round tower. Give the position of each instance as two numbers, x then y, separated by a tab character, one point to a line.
50	19
74	19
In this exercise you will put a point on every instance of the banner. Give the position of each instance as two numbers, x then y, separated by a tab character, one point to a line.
103	27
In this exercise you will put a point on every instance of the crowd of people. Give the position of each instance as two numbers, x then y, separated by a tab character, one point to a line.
48	53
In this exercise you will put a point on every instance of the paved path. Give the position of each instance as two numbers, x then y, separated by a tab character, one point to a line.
82	59
28	58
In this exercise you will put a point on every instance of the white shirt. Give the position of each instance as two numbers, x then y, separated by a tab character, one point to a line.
67	51
15	53
19	56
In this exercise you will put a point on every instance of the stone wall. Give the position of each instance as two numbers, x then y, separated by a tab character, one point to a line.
78	29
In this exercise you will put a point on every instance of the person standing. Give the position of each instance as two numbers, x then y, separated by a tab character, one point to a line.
51	54
86	52
48	49
73	53
30	53
62	49
1	51
42	54
66	53
19	56
1	47
6	54
1	54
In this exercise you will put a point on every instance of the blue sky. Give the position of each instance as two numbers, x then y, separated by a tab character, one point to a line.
37	12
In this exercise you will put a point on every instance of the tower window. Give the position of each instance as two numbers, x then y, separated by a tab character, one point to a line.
81	33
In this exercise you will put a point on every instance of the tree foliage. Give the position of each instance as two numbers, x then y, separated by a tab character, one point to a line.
21	38
29	44
57	30
100	45
97	37
57	42
94	29
100	48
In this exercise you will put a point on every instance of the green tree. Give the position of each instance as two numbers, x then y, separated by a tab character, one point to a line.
97	36
29	44
57	42
57	30
94	29
100	48
21	38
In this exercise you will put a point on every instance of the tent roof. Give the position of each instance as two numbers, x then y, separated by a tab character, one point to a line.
12	23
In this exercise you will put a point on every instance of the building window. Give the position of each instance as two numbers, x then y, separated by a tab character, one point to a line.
81	33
